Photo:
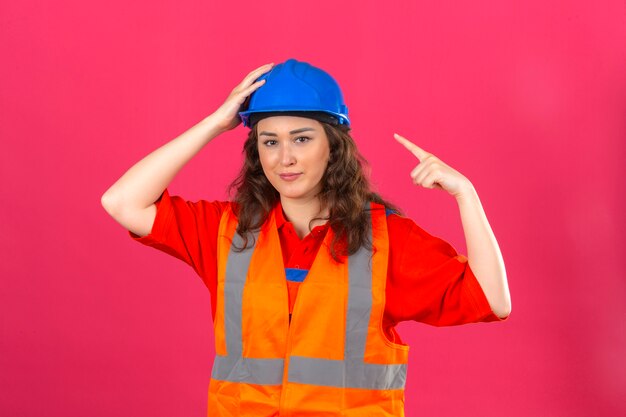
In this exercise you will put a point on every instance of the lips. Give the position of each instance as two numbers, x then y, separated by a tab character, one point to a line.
290	176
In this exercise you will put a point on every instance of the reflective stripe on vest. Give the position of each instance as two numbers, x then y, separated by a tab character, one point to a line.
351	372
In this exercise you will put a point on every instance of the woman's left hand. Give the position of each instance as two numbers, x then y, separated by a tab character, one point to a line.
432	172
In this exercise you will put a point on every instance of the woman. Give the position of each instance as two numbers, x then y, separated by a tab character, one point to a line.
303	208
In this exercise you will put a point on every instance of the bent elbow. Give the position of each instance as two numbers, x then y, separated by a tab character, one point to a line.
503	311
111	204
503	314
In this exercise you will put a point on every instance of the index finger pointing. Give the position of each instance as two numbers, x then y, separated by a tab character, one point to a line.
415	150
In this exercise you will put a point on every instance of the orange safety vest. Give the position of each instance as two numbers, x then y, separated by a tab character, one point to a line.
333	359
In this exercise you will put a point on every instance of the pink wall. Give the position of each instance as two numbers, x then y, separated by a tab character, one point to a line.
527	100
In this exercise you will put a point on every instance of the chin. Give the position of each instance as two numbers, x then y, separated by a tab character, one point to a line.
293	193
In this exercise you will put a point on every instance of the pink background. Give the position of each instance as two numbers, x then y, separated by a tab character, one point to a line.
527	100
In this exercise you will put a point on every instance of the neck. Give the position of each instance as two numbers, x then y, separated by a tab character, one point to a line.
300	212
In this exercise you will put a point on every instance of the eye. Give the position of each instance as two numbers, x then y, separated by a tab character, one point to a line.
267	142
306	139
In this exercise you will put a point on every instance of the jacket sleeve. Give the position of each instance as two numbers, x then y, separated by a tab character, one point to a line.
188	231
429	282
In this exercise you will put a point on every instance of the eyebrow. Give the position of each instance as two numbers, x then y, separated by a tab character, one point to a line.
304	129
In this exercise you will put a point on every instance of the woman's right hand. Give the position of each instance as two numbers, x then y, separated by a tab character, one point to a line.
227	114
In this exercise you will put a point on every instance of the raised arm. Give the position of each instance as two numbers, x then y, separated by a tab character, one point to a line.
130	200
483	253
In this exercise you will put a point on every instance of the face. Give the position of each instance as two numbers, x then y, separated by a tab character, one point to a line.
294	153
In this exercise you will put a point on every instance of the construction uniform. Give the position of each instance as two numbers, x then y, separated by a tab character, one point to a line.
299	334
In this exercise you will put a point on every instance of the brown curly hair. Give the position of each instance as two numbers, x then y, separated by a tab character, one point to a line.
346	191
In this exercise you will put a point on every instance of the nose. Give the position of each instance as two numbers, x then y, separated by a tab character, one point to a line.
287	157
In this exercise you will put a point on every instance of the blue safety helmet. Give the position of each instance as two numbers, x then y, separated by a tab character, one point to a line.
296	88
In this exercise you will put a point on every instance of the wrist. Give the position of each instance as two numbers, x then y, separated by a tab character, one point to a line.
212	126
466	192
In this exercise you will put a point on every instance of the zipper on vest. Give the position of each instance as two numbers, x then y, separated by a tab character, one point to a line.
283	397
